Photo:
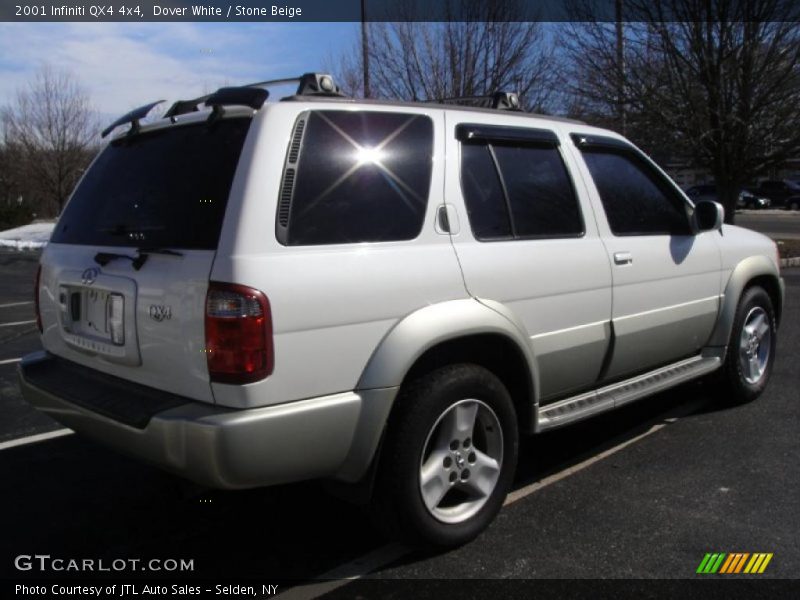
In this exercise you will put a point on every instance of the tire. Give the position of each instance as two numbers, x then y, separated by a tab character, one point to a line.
794	205
751	349
448	458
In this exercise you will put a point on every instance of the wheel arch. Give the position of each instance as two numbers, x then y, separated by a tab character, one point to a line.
438	330
466	331
752	271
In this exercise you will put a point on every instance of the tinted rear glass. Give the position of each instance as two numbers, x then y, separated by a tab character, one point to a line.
363	176
167	188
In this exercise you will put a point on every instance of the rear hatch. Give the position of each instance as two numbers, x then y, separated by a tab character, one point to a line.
125	276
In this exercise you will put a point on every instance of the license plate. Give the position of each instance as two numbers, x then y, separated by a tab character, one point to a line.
94	313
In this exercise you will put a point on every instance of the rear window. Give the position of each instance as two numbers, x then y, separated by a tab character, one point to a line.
166	188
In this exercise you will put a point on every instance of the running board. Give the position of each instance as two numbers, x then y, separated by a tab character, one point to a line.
619	394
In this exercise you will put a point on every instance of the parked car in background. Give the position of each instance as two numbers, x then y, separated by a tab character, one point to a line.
708	191
782	192
703	191
750	200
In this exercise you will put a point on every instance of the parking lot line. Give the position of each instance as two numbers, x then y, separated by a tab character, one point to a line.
32	439
386	555
344	574
17	323
16	304
537	485
10	361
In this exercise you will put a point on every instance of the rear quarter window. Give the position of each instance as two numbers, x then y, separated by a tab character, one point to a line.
165	188
355	176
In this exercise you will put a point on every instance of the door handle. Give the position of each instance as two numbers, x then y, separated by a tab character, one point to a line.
623	258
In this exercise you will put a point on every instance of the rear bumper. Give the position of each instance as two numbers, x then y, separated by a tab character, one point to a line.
330	436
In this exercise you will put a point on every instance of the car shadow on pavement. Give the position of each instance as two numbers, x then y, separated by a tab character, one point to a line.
71	498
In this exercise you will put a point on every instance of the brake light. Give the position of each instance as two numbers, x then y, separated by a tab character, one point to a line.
238	334
36	299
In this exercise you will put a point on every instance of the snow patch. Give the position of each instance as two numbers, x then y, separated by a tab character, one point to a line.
28	237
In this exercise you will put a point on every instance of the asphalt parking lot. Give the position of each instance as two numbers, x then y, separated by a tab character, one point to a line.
644	493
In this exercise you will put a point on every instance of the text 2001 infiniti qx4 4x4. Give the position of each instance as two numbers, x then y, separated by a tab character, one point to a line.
382	294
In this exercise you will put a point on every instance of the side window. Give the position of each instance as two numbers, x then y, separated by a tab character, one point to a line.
543	203
483	192
517	190
355	176
636	199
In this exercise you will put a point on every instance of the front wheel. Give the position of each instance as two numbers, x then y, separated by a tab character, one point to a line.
751	350
448	457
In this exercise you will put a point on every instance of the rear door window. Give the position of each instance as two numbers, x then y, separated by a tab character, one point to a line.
517	190
355	176
164	188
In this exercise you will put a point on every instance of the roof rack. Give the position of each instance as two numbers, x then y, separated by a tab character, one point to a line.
498	101
309	84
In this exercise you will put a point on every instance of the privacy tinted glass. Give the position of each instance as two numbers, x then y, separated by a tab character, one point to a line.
361	177
518	190
636	199
543	203
167	188
483	194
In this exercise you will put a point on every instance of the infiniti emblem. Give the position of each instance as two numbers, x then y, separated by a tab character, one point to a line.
89	276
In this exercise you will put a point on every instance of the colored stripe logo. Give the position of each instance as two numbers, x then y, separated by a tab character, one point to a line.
734	563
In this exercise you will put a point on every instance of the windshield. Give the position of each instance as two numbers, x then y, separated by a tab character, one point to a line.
166	188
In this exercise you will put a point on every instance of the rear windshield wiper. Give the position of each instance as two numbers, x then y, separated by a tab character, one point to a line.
103	258
156	250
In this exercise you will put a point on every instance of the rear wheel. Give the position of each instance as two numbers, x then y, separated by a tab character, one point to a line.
751	349
448	457
794	205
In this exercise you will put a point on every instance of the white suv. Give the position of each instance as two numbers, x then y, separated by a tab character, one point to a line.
382	294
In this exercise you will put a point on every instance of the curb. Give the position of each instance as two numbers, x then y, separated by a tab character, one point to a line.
790	262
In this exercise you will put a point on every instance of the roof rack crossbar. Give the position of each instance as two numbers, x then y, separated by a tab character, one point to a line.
498	101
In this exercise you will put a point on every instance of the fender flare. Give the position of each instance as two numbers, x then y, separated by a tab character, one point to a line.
744	272
427	327
401	347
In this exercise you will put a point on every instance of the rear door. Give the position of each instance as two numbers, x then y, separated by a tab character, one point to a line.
529	242
125	276
666	279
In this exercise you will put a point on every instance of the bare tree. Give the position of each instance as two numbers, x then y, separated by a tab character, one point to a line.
487	50
718	81
54	130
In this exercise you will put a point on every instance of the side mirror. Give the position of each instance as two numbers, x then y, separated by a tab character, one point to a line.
708	216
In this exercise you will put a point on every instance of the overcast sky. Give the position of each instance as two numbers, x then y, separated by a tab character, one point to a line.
124	65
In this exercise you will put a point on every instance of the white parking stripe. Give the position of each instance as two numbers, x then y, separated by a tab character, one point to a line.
346	573
16	304
10	361
32	439
542	483
17	323
386	555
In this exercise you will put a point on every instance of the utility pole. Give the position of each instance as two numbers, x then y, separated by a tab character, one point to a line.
365	48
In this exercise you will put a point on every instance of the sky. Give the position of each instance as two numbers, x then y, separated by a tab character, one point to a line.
125	65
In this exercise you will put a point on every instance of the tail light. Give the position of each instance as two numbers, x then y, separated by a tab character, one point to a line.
36	299
238	334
